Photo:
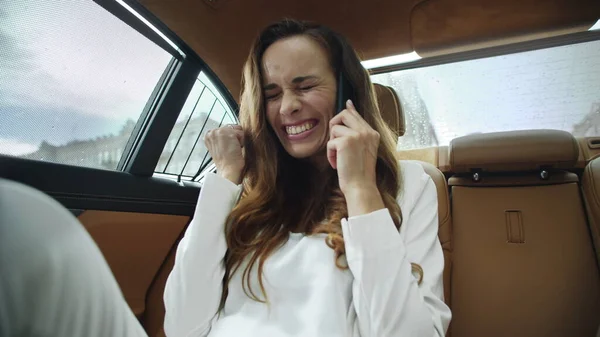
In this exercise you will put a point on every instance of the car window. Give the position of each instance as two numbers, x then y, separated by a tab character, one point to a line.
554	88
185	156
74	81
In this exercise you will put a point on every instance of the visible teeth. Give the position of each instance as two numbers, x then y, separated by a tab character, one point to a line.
294	130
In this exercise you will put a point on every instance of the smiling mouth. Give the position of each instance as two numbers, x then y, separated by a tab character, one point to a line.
299	129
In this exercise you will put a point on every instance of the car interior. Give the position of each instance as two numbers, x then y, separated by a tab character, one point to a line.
518	202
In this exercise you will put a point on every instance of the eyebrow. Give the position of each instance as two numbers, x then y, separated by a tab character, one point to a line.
296	80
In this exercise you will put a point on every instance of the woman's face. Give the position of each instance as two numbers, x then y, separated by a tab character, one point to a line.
299	88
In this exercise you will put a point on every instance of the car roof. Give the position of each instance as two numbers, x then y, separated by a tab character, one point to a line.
221	31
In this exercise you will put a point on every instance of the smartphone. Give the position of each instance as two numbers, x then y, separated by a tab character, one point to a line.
344	92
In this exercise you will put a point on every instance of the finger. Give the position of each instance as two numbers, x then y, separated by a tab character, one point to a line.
350	106
239	133
332	150
341	131
345	117
235	126
206	137
332	154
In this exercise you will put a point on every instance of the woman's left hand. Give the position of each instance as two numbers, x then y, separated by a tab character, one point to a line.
352	151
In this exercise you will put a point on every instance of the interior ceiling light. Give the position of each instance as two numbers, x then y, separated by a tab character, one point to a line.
391	60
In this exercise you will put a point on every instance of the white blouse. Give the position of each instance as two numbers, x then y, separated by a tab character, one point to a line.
377	296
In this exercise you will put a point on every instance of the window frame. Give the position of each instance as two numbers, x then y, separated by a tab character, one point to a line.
150	134
116	9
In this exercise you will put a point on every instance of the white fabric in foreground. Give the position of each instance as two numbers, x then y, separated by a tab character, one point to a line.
54	280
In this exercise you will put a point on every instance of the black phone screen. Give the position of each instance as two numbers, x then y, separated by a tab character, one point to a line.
344	92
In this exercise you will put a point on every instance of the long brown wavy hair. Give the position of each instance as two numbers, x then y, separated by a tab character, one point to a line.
282	194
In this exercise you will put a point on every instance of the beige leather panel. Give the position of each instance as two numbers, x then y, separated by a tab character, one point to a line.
443	159
435	155
465	22
558	177
445	220
427	154
546	286
391	110
514	151
591	194
135	246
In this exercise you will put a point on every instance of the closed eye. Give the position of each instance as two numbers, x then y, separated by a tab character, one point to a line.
306	88
271	96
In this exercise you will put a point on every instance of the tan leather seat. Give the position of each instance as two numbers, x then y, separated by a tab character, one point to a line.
445	221
390	108
391	111
591	194
154	316
523	261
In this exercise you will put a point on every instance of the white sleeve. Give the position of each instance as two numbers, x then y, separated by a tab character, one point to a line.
387	297
193	289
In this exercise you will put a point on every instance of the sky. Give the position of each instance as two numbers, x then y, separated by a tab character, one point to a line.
69	70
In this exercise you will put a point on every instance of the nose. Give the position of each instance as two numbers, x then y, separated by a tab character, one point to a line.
289	103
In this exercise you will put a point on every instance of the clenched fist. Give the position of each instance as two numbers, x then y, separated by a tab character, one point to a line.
225	146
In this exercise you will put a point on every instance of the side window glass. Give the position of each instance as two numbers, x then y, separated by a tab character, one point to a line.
185	156
72	84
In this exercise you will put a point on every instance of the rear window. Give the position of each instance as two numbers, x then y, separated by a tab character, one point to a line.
554	88
74	80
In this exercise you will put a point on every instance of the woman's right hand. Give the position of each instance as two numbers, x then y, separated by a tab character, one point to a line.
225	146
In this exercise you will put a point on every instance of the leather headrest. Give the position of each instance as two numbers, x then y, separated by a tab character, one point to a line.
512	151
390	108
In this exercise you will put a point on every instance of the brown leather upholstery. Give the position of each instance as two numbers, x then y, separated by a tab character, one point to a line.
514	151
591	193
589	150
527	179
376	29
460	24
154	316
523	262
445	220
135	246
391	110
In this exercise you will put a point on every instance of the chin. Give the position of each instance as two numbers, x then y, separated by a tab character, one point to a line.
301	151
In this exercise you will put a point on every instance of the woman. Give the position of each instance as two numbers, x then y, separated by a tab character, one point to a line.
310	227
331	237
